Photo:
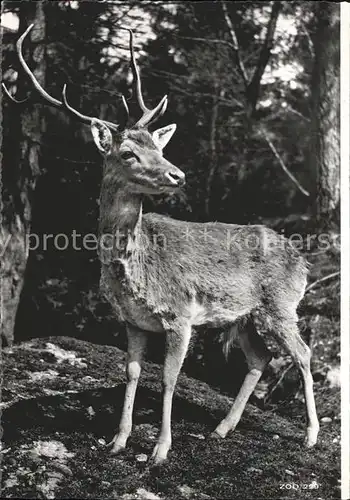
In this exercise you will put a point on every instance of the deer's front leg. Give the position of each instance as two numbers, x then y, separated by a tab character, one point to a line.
176	349
137	340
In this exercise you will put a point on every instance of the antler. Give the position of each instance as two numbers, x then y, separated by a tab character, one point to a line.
55	102
149	115
16	101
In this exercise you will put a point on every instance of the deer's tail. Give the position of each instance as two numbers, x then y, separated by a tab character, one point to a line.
229	337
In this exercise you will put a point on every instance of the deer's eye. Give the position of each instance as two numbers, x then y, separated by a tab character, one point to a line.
127	155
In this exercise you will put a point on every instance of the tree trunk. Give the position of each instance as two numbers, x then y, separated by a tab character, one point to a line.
326	114
24	126
213	152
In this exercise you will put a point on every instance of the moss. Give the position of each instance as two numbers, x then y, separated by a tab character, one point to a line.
249	463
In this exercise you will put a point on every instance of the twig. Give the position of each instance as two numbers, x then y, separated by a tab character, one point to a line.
233	103
235	45
283	165
278	382
207	40
292	110
315	283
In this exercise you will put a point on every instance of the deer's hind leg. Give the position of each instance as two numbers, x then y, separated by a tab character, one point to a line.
258	357
284	323
137	340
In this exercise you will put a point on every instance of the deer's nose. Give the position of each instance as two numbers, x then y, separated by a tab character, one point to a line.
177	178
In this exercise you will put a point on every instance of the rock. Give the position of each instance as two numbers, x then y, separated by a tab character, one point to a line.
11	482
39	376
52	449
275	436
87	378
196	436
326	420
289	472
62	468
64	355
334	377
91	411
105	484
147	495
254	469
141	494
186	491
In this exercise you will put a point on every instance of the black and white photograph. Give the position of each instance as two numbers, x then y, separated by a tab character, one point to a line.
175	250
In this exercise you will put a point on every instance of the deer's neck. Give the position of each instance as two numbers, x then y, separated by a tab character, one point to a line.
120	222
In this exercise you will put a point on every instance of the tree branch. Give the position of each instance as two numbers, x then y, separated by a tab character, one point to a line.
278	382
328	277
206	40
231	103
235	46
254	85
282	164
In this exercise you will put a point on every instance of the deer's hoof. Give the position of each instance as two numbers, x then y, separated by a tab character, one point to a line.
159	454
221	431
215	435
117	448
308	443
116	445
311	437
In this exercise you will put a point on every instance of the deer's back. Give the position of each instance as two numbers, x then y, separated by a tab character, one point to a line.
212	272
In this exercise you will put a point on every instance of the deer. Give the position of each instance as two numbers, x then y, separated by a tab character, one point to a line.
200	274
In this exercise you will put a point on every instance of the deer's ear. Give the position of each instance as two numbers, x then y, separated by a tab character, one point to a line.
102	136
162	136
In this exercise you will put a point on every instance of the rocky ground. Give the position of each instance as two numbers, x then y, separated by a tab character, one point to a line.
61	403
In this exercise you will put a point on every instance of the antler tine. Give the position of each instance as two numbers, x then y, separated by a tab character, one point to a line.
42	92
84	118
16	101
161	111
126	110
153	114
136	73
47	97
149	115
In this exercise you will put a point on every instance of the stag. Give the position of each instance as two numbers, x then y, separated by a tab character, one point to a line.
245	280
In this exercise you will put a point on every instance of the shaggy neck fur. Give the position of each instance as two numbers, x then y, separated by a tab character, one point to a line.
120	222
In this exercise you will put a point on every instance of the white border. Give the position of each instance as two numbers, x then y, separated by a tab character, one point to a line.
345	249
